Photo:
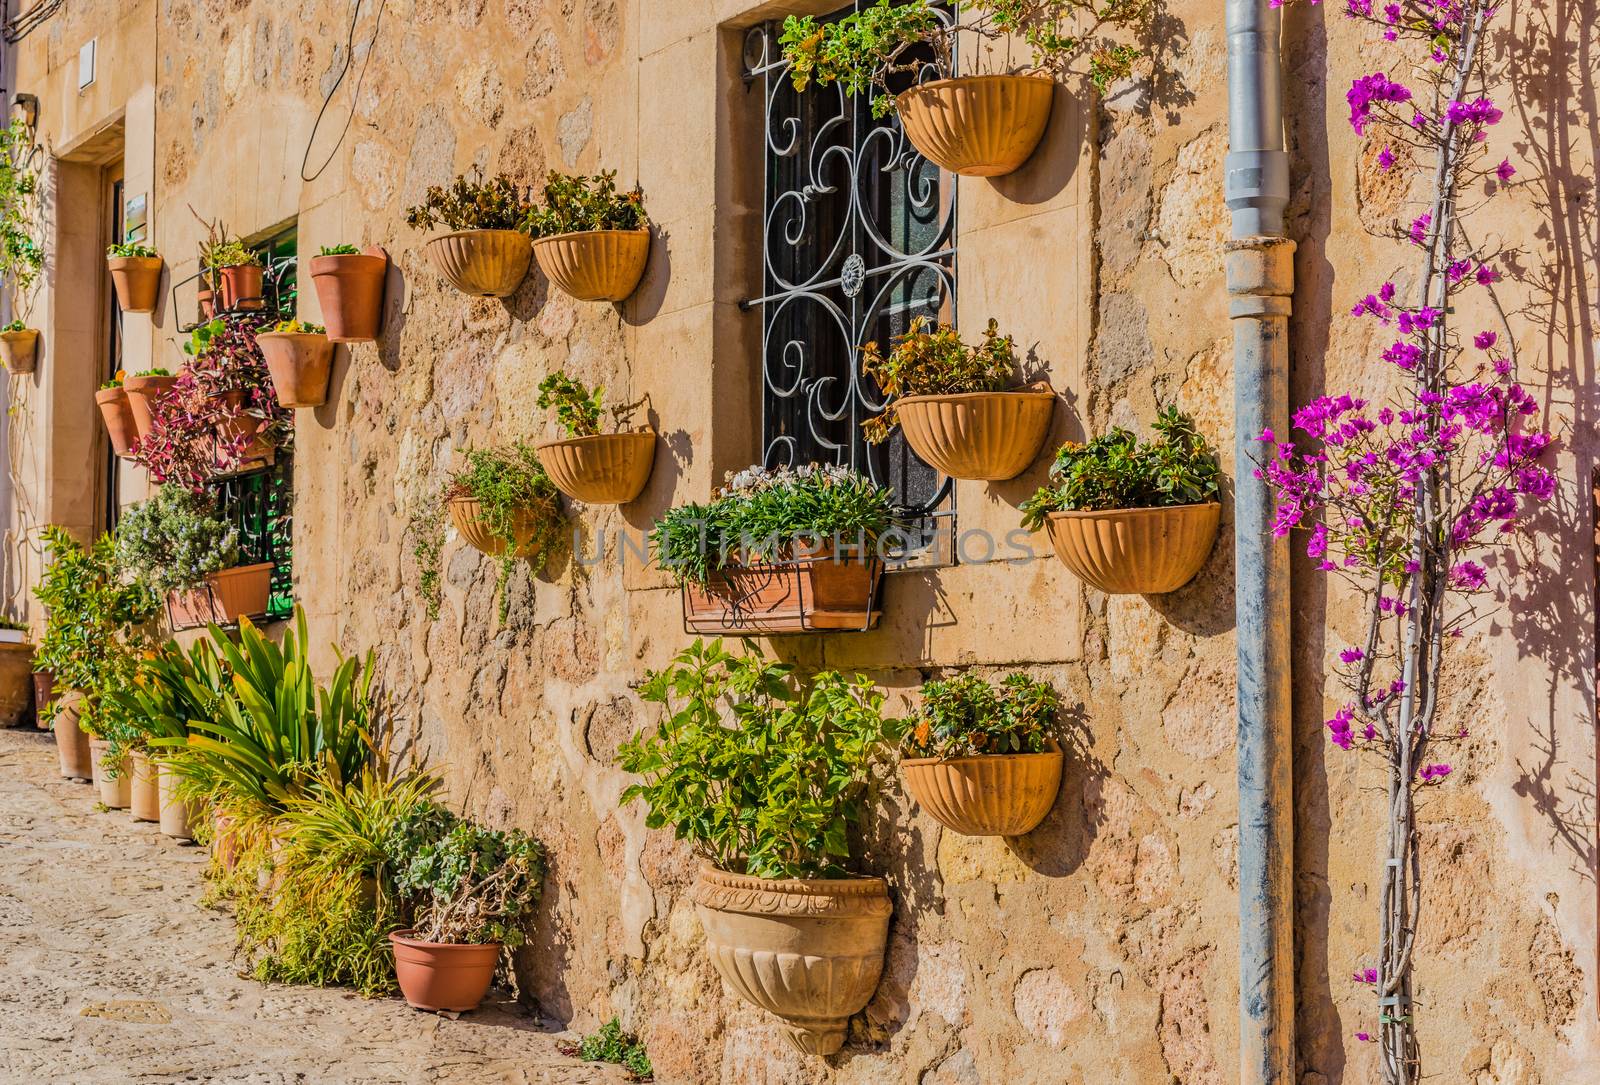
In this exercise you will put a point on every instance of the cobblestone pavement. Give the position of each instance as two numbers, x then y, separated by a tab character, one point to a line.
111	972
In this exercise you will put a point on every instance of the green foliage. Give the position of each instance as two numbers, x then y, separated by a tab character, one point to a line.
471	204
862	51
232	254
763	515
465	884
936	363
15	326
130	249
299	327
14	624
611	1044
573	204
21	231
965	715
577	409
170	689
156	372
339	250
761	773
173	540
1119	471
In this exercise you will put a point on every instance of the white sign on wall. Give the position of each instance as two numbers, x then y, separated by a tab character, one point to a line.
86	63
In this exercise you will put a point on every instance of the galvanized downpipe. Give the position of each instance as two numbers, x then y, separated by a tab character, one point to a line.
1260	263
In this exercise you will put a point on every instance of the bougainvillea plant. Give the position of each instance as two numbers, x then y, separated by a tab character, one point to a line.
1408	499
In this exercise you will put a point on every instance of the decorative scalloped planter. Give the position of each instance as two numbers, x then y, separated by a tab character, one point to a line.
72	741
485	263
227	596
116	791
1136	551
178	817
145	795
607	469
142	389
977	125
350	293
443	976
242	286
809	951
300	364
137	280
988	794
595	265
117	414
467	514
987	436
20	349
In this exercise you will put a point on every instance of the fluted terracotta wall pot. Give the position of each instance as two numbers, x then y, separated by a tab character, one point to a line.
242	286
606	469
72	741
137	280
485	263
987	436
144	801
1136	551
809	951
977	125
595	265
20	349
350	293
300	364
467	514
117	414
987	795
141	389
115	791
443	976
177	816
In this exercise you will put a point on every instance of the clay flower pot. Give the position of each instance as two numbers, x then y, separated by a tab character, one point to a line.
206	298
177	817
117	414
137	280
144	801
467	514
72	741
350	291
239	424
443	976
608	469
225	844
803	596
977	125
989	794
300	363
226	596
987	436
485	263
115	791
16	681
44	695
141	390
809	951
1136	551
595	265
20	349
242	286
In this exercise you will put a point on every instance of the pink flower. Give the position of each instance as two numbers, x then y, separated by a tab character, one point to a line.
1432	774
1368	91
1484	340
1365	975
1505	170
1386	158
1363	1037
1487	275
1419	227
1352	655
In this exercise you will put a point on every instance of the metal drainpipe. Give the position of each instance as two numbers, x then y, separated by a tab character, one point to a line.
1260	264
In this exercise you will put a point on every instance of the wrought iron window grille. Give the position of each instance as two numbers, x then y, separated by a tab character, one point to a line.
260	504
279	291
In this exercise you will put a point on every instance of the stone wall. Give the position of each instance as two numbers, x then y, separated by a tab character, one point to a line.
1103	946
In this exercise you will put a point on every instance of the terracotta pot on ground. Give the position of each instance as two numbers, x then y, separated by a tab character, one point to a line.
141	390
762	600
145	798
977	125
44	695
467	514
115	791
137	280
16	682
225	845
607	469
20	349
988	794
1136	551
72	741
988	436
442	976
595	265
117	414
807	950
484	263
300	364
177	817
350	292
242	286
227	596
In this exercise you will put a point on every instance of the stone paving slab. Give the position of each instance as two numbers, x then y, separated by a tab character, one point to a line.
111	972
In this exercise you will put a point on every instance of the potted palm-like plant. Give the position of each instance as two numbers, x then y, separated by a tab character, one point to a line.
767	777
485	250
19	347
979	125
590	466
117	414
177	545
952	403
135	275
300	358
590	240
349	286
1130	516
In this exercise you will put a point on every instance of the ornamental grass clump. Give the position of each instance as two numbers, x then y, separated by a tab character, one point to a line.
471	203
571	204
463	884
966	716
173	540
934	363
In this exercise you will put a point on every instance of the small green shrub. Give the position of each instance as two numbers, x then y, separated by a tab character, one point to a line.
471	204
611	1044
15	326
339	250
573	204
233	253
300	327
465	884
965	715
579	410
936	363
130	249
171	541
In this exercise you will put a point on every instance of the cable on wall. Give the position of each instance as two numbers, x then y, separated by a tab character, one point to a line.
28	21
349	54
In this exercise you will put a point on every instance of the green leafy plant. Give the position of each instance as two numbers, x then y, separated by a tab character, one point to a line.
578	409
21	230
762	773
156	372
15	326
610	1044
233	253
1119	471
116	380
16	625
471	204
339	250
464	884
299	327
574	204
130	249
936	363
966	715
173	540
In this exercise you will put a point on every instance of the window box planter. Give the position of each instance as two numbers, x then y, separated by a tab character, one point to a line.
443	975
595	265
178	818
241	286
467	515
1136	551
16	680
137	281
72	741
141	390
977	125
117	414
20	349
604	469
350	292
987	794
484	263
987	436
807	595
300	364
224	598
116	791
809	951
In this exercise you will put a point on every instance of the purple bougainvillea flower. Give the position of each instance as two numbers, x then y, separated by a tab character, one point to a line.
1505	170
1432	774
1386	158
1419	227
1369	91
1363	1037
1484	340
1352	655
1487	275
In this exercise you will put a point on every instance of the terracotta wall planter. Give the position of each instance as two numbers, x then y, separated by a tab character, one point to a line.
20	349
484	263
117	415
16	682
206	301
144	801
72	741
115	791
178	818
142	390
987	795
300	364
350	293
977	125
240	424
467	515
986	436
809	596
595	265
607	469
228	595
808	951
1136	551
440	976
137	280
242	286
